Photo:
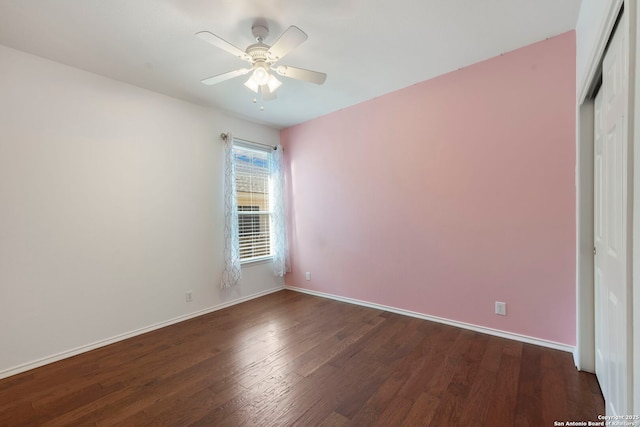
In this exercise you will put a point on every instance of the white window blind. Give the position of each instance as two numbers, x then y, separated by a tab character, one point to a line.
252	190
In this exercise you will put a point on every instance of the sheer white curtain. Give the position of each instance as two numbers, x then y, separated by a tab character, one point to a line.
231	272
279	241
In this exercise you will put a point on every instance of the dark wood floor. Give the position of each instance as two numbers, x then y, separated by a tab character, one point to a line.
293	359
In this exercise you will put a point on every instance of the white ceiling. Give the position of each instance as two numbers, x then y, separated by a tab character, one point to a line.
367	48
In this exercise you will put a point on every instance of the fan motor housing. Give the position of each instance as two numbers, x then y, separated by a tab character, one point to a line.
258	52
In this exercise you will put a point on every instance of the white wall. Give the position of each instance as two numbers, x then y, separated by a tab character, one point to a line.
110	209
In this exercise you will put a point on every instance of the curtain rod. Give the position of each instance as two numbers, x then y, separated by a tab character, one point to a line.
224	137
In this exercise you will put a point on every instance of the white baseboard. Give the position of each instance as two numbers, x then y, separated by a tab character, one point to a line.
463	325
83	349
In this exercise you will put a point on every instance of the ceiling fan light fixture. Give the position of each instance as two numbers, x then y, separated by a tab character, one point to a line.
251	84
260	75
273	83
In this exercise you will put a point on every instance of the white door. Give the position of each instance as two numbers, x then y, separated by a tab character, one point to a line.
610	228
600	291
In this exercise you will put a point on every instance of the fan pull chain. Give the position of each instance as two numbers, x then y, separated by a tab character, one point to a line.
255	101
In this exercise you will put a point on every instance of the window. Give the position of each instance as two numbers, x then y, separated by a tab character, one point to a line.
252	192
255	225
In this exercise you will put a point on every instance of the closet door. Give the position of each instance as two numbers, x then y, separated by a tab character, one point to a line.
610	228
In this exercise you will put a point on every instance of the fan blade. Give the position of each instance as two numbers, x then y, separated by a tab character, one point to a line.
301	74
223	44
289	40
267	95
226	76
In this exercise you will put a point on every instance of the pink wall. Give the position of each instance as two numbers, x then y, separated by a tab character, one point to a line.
448	195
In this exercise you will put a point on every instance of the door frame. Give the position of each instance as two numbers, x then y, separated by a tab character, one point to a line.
584	353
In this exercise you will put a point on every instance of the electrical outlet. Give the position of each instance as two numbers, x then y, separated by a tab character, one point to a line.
307	275
189	296
501	308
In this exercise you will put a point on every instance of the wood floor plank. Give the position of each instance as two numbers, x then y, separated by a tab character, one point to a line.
297	360
504	395
529	403
457	395
294	401
422	411
252	402
555	404
395	414
474	409
435	348
428	402
384	395
334	420
331	347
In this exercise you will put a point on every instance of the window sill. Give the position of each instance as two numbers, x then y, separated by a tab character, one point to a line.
254	261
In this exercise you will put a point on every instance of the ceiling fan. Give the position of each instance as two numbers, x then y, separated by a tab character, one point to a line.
262	58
